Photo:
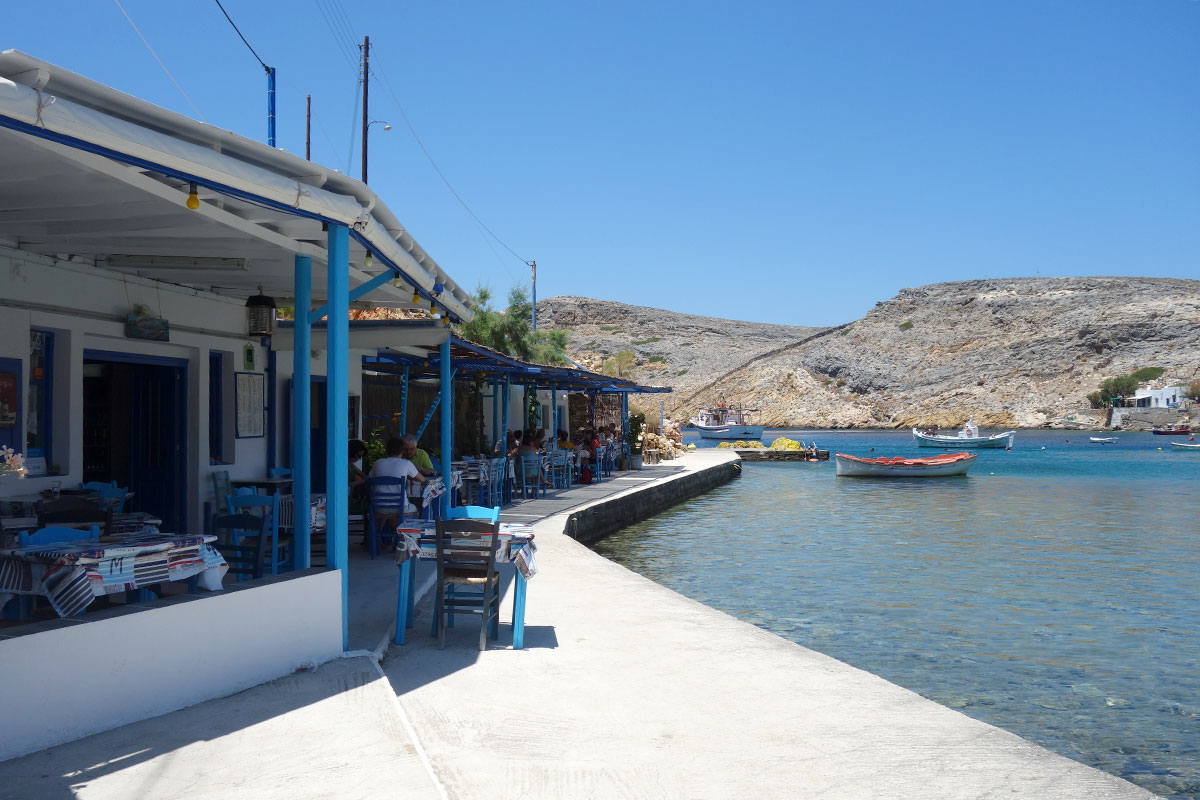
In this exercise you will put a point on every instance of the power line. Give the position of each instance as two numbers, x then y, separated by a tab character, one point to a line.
239	33
159	60
388	85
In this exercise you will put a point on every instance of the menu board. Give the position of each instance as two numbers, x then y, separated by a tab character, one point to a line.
251	404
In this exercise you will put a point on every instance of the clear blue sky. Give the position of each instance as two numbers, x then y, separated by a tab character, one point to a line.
789	162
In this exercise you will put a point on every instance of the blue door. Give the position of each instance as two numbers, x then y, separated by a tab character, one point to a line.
134	415
12	427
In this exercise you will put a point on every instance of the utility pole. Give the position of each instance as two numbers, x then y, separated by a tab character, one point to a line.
533	266
366	70
308	128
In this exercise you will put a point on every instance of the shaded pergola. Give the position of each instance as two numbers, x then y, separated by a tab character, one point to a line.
463	358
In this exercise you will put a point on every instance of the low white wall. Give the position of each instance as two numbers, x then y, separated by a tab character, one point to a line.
96	675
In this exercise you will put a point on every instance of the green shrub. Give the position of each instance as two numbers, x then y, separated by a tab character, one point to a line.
610	328
1148	374
651	340
657	359
845	330
906	324
681	372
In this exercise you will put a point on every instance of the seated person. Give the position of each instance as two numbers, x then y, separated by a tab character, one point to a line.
395	465
564	443
417	456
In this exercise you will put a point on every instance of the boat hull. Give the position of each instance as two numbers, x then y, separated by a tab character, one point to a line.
1186	446
999	440
1103	439
937	467
1172	432
754	432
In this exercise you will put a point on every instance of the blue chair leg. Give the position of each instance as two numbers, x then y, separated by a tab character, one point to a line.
450	614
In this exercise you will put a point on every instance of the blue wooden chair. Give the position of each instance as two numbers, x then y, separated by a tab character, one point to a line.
241	541
560	469
56	535
280	472
466	558
475	512
529	474
265	506
497	480
388	501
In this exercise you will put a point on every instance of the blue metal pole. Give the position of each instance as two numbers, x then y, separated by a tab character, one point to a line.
301	410
447	421
271	106
554	417
504	413
404	401
497	434
336	424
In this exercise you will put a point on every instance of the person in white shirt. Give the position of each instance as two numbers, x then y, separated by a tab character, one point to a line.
393	465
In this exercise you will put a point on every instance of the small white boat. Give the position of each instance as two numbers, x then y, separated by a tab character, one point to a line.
723	421
967	437
934	467
1103	439
1186	446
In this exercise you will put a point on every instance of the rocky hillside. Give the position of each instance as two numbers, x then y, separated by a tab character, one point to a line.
1014	352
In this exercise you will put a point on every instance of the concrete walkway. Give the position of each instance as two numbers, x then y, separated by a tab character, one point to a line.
624	689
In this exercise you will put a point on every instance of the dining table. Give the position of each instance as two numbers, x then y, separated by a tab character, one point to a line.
70	575
122	522
418	542
267	486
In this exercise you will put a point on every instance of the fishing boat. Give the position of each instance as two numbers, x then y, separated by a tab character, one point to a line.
723	421
933	467
1186	446
1103	439
1172	431
967	437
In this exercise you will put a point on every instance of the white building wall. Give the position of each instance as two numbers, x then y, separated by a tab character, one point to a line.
152	661
86	308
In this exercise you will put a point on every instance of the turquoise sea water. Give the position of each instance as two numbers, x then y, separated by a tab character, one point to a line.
1052	592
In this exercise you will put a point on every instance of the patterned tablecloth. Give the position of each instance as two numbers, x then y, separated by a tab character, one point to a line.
419	539
72	574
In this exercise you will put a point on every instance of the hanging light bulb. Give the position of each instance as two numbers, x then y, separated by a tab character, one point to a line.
416	297
447	318
432	306
193	201
368	261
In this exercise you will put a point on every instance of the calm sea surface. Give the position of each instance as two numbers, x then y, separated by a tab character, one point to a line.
1053	592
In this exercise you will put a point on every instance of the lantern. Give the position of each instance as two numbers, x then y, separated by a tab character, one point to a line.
260	313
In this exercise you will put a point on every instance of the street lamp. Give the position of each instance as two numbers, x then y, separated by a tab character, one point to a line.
366	128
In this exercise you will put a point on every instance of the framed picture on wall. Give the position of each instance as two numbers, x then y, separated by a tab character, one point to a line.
250	397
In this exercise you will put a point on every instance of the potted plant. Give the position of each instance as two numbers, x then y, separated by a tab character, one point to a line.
633	436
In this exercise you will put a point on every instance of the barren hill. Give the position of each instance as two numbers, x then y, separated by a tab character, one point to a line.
1020	352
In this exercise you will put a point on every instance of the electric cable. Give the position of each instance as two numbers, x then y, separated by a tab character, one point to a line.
239	33
159	60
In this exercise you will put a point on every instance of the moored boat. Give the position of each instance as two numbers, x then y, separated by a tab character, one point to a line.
1103	439
722	421
1172	431
967	437
933	467
1195	447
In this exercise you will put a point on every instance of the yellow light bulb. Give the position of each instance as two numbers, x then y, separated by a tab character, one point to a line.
416	297
368	261
447	318
193	201
432	306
